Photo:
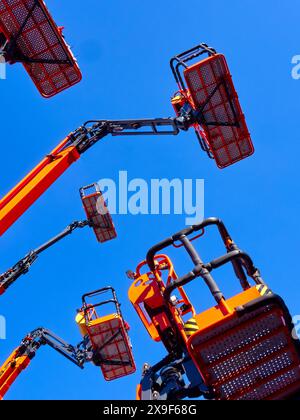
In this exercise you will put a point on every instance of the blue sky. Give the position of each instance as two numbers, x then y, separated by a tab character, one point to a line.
123	48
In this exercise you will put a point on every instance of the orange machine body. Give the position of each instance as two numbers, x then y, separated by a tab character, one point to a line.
146	295
243	347
20	198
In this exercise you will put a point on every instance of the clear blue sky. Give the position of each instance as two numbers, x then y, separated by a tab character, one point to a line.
123	48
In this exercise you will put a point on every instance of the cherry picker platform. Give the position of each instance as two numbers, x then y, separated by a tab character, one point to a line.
29	35
108	335
241	349
209	90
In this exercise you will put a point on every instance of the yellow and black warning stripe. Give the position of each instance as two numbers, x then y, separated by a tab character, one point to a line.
191	327
264	290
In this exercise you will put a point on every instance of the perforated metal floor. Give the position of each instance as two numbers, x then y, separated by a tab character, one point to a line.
250	358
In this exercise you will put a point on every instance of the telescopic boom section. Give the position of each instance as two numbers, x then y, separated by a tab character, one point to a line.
11	369
21	197
8	278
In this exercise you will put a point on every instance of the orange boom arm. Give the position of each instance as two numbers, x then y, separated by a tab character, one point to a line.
10	371
20	198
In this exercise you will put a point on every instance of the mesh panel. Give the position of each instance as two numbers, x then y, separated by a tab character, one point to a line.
39	39
286	380
97	213
118	349
212	91
249	358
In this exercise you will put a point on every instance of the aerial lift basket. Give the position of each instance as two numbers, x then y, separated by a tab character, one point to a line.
245	347
29	35
209	88
97	213
109	337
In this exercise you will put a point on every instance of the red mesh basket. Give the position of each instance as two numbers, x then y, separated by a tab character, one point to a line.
109	338
35	40
98	214
250	357
212	91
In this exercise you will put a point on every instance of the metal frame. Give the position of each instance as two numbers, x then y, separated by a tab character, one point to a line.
242	263
185	57
86	307
94	130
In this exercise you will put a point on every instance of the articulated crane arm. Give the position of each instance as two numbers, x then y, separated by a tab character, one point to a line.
105	342
23	266
21	197
206	101
22	356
